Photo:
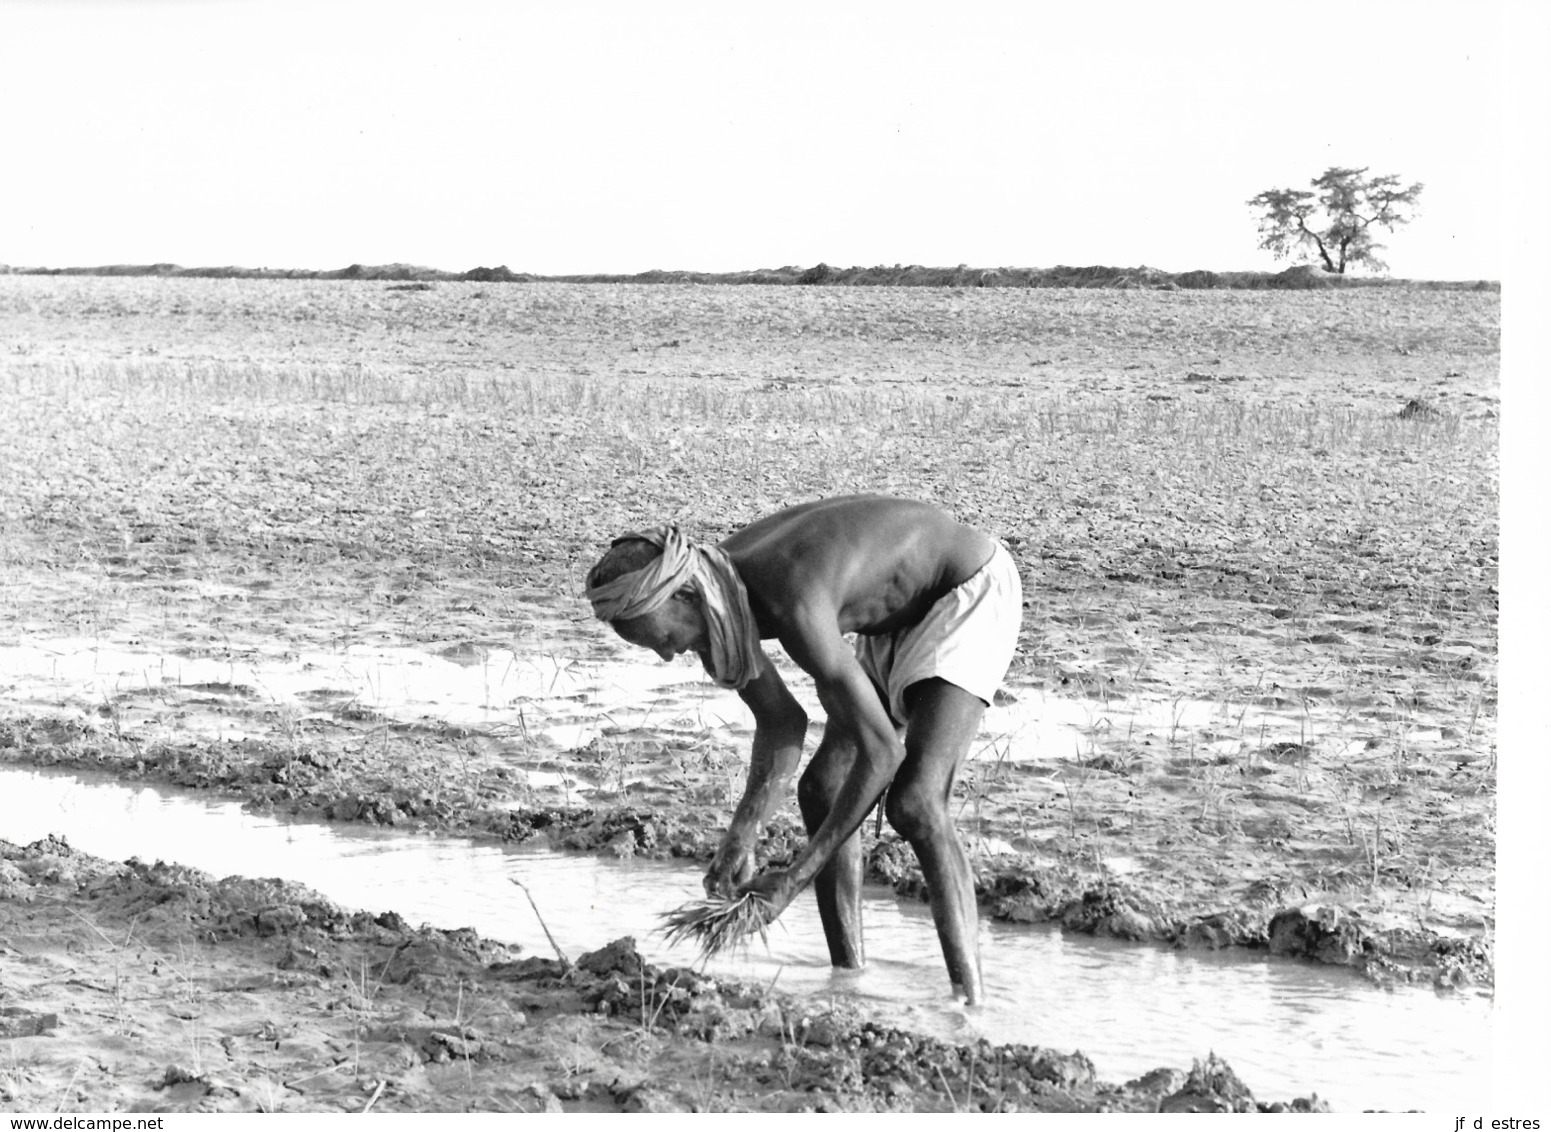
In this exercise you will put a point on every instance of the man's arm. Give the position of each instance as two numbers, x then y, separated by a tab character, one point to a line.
780	725
853	705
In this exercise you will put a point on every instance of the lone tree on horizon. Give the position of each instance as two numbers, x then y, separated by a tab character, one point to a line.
1339	221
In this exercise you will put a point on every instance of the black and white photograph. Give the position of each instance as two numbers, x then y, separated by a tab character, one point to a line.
846	557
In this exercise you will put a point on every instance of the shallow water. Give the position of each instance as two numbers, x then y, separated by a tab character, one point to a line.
570	701
1286	1028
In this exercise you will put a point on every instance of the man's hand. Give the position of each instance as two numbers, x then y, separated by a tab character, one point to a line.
775	886
731	867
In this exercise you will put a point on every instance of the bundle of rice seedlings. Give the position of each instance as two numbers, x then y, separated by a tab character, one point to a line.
719	922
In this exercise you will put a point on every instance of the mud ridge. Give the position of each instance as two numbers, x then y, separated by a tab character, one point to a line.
328	785
379	1014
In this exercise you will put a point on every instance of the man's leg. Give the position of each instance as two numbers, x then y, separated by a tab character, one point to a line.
838	885
944	719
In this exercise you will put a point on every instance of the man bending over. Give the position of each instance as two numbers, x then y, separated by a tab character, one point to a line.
936	607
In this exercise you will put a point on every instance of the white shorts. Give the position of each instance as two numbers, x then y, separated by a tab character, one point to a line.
966	638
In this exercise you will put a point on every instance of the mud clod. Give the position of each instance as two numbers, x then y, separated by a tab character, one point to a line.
533	967
1160	1082
619	956
1106	912
1211	1086
1323	933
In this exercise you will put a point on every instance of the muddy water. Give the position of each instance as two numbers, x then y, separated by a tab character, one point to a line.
1286	1028
569	701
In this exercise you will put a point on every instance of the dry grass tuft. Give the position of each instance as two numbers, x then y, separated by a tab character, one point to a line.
718	923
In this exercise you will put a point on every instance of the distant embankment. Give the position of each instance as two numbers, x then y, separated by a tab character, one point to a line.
1303	277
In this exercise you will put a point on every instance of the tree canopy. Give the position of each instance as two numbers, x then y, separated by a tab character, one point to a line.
1337	219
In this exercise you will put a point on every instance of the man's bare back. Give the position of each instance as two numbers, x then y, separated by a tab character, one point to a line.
878	561
926	596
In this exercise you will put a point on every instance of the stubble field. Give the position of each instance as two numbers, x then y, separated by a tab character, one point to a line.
1254	702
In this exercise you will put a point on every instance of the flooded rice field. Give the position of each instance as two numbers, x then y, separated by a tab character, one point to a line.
569	701
1286	1027
1241	778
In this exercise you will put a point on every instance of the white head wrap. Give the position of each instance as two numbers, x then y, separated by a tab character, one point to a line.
735	652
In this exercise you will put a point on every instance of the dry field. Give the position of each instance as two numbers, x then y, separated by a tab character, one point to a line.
1266	594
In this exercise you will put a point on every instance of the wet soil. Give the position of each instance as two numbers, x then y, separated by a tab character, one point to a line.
1260	580
142	987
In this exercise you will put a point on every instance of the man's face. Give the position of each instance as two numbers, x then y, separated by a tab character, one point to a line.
674	627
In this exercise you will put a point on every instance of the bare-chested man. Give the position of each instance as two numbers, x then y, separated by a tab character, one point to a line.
936	606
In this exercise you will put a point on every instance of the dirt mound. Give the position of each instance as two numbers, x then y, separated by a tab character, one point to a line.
1308	276
245	995
1301	277
384	271
350	782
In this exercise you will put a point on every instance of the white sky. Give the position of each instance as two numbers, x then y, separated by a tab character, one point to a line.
559	137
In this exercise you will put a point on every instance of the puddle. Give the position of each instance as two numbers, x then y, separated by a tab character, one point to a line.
570	701
1286	1028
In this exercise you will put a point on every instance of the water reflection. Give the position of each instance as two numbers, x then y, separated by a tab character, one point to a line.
1287	1029
570	701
